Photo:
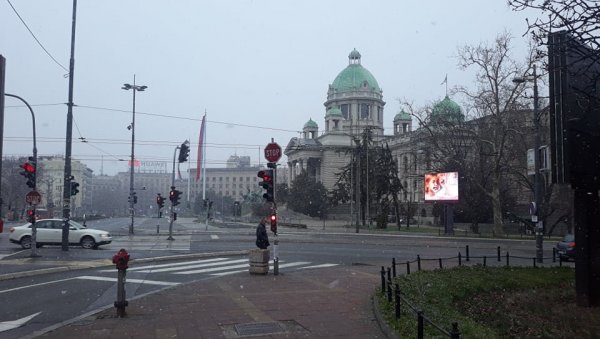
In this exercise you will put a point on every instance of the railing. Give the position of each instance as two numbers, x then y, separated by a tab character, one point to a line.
398	300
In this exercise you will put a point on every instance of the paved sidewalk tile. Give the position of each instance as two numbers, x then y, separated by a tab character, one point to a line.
321	303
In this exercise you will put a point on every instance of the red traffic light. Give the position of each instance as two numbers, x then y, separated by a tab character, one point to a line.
29	168
266	175
273	218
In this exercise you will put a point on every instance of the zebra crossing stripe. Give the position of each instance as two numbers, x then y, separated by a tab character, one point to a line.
214	269
181	268
139	281
318	266
169	265
292	264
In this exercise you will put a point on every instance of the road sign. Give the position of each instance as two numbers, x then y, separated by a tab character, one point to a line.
33	198
272	152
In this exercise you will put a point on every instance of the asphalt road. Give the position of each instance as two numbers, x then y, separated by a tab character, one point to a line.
56	297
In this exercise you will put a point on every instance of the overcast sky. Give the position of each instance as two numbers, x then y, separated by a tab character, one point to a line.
260	69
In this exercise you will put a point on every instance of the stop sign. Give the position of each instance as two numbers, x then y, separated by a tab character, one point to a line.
272	152
33	198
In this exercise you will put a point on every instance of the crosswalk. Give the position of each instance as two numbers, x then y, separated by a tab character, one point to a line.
220	266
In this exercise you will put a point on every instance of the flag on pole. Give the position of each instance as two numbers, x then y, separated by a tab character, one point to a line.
445	80
200	148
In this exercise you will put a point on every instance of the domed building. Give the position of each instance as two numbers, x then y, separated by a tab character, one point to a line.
355	103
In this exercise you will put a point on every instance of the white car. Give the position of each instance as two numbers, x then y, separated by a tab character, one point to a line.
49	232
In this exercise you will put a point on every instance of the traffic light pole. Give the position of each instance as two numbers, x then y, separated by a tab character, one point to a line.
172	202
33	227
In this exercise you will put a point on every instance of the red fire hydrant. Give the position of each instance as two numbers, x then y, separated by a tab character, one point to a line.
121	260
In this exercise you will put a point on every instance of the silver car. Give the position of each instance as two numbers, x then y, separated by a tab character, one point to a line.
49	232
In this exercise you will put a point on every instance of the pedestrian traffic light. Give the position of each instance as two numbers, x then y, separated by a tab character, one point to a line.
184	151
29	171
174	196
30	216
74	188
274	223
160	201
134	198
267	184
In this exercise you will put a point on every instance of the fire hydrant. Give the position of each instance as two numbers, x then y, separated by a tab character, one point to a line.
121	259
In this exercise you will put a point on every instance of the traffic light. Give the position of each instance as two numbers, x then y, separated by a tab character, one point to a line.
74	188
174	196
29	171
274	223
184	151
267	184
160	201
30	216
134	198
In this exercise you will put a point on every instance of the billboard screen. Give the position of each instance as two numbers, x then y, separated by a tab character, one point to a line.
441	186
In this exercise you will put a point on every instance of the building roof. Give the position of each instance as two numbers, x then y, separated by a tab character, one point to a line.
447	110
402	116
334	112
311	124
355	76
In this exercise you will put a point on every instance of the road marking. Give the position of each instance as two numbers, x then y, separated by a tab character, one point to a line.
214	236
137	268
318	266
9	325
127	280
214	269
34	285
292	264
171	269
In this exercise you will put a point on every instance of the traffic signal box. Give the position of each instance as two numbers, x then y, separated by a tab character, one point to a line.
267	184
274	223
184	152
174	196
160	201
29	171
74	188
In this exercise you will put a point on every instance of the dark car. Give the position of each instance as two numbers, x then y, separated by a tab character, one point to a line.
566	247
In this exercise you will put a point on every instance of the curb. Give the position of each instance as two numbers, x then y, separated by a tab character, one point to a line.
383	325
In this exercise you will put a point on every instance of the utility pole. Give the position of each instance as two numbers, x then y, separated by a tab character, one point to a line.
537	185
67	175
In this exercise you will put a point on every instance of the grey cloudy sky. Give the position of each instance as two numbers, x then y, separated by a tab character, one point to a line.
263	63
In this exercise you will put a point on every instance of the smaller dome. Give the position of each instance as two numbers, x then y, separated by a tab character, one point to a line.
447	110
354	55
311	124
334	112
402	116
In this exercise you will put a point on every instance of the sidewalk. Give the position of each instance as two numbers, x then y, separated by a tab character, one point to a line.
319	303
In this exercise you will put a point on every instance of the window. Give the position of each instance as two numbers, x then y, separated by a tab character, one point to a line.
365	111
345	108
405	163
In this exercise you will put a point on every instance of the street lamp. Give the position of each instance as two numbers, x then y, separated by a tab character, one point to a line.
135	88
537	186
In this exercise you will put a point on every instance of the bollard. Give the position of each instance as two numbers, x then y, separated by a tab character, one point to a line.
484	260
394	267
553	254
407	267
397	297
276	257
454	333
459	259
420	324
560	261
534	264
418	263
440	259
382	280
507	259
157	228
121	260
389	285
499	259
467	249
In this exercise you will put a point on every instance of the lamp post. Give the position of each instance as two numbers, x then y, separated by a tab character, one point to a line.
135	88
537	185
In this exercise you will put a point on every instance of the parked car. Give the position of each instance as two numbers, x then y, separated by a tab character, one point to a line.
566	247
49	232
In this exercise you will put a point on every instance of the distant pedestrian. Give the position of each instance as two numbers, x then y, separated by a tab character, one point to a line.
262	238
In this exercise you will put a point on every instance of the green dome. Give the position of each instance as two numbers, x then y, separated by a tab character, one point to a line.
354	76
447	111
311	124
334	112
402	116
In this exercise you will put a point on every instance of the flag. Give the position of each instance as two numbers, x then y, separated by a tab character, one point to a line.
200	148
445	80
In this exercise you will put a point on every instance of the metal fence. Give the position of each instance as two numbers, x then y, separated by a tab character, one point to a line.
388	287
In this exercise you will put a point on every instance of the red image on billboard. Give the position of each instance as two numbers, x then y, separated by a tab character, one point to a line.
441	186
